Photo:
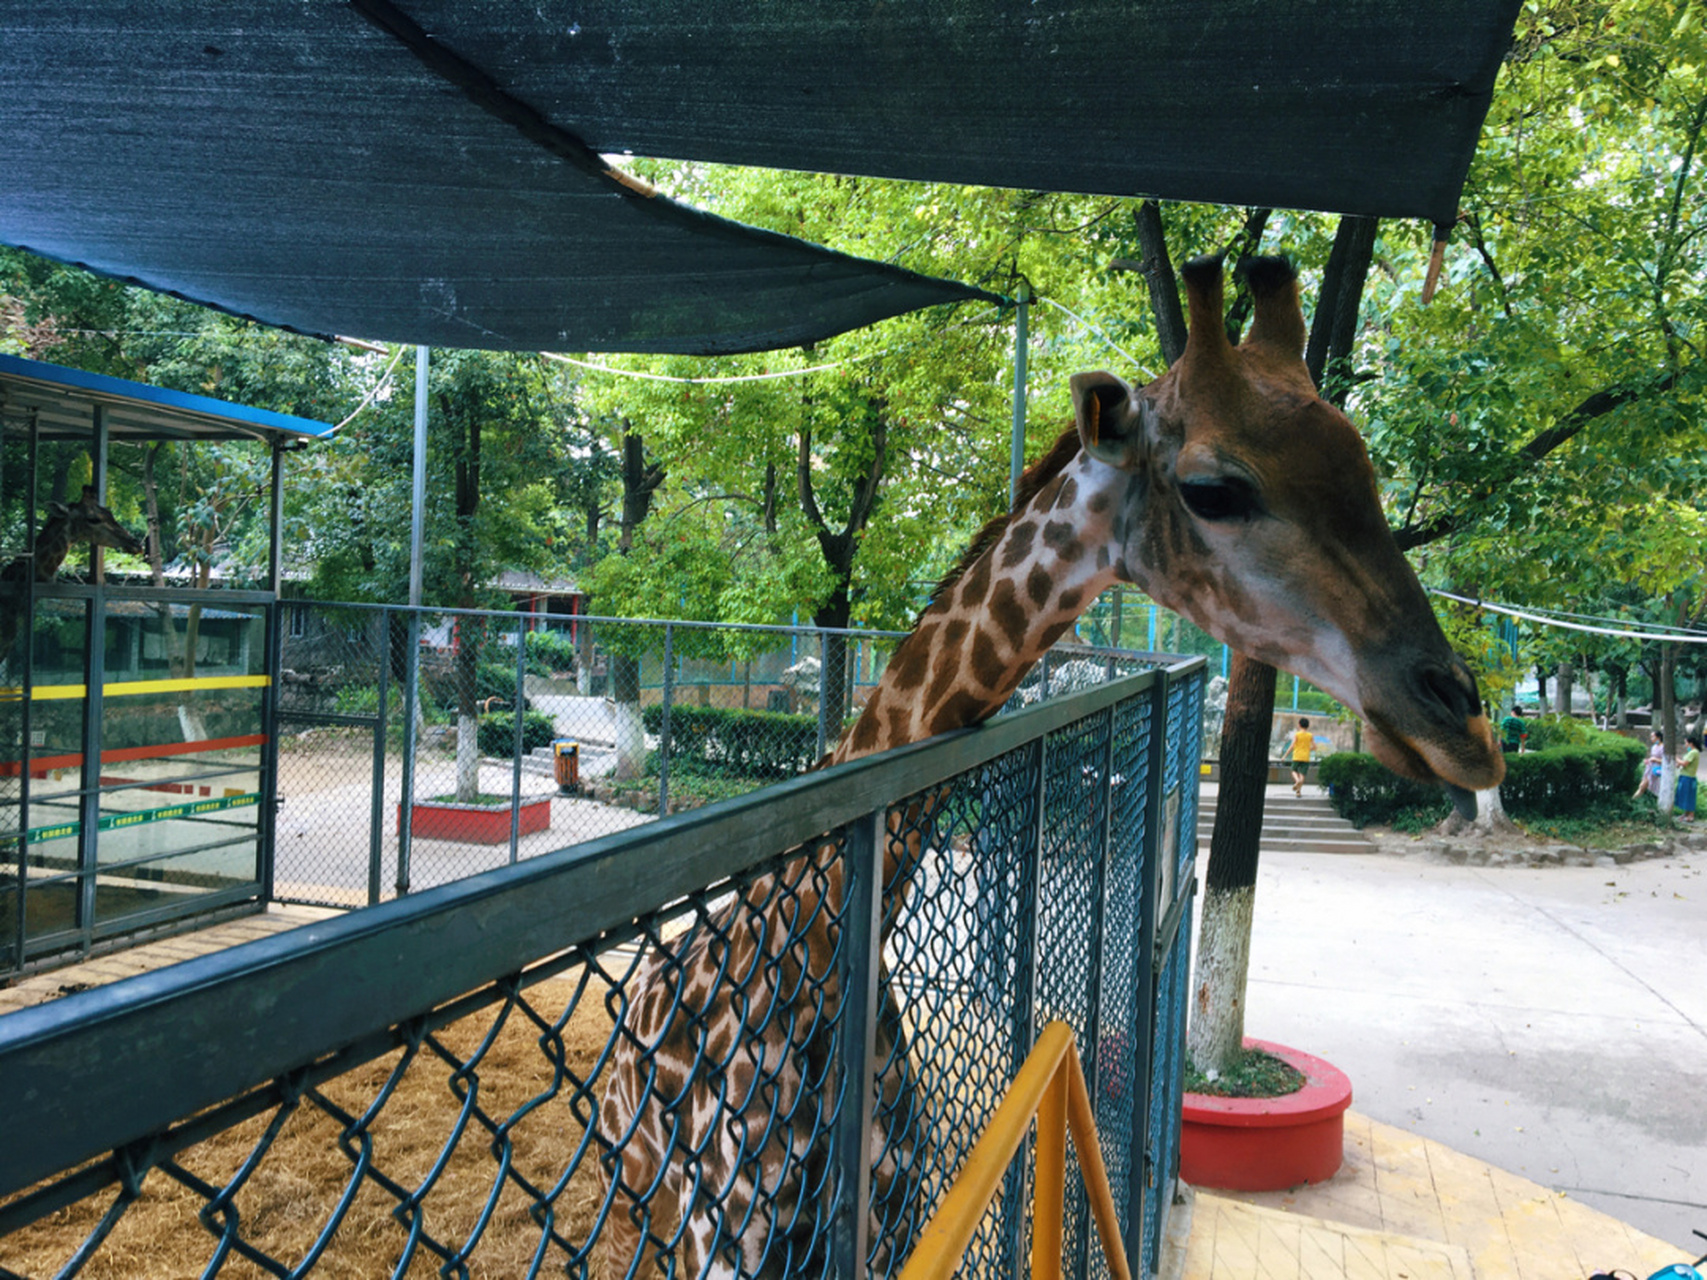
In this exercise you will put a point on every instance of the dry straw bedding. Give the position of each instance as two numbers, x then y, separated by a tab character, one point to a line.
294	1191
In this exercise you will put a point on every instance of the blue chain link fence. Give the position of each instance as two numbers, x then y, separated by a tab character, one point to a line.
754	1039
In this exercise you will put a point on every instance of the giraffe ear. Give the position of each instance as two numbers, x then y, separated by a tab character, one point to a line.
58	509
1110	421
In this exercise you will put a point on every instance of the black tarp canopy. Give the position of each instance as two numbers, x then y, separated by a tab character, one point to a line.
428	170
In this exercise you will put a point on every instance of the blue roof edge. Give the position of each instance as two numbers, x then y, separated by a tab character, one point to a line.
141	392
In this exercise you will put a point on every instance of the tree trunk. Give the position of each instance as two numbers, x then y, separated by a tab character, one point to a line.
833	678
467	710
1230	882
640	483
1158	272
179	663
1562	690
1490	818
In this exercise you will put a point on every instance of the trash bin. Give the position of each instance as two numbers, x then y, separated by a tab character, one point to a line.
566	756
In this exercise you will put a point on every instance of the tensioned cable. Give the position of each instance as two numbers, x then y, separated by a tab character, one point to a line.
1101	333
1659	627
1666	633
379	384
733	377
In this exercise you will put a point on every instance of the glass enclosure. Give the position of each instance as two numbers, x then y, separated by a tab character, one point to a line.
137	779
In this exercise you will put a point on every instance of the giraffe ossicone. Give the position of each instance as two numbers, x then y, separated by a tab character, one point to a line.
1227	490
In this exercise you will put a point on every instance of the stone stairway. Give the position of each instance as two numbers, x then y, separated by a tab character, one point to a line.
1291	824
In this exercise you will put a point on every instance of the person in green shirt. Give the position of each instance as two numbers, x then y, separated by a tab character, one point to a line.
1513	731
1686	767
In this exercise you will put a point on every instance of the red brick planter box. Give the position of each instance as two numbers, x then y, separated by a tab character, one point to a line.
1268	1144
474	823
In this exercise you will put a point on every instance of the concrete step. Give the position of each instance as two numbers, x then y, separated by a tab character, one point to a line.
1293	824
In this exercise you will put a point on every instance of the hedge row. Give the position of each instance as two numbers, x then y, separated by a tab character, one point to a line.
497	733
1552	783
728	740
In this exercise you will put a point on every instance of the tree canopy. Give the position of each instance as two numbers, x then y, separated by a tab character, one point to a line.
1535	426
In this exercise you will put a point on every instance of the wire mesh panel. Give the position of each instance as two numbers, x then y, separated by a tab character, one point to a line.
503	1126
340	714
960	954
1172	992
722	1045
1074	864
1124	1007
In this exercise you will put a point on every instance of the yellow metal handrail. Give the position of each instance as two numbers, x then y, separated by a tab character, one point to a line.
1051	1086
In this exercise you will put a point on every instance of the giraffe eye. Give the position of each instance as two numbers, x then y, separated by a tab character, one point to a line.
1228	498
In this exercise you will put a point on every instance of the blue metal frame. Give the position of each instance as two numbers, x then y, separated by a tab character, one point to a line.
211	418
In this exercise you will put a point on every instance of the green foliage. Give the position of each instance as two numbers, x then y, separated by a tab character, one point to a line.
1560	780
1364	790
1546	732
495	679
1610	824
356	700
731	741
496	735
550	652
1254	1074
1570	779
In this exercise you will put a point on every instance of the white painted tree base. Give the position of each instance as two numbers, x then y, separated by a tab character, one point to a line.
467	758
628	729
1223	962
1490	818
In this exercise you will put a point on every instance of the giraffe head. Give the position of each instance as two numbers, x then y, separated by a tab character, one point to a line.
1245	502
85	520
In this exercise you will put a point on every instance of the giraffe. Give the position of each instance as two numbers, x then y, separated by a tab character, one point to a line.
85	520
1227	490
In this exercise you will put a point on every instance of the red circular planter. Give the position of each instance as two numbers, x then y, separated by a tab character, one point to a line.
1268	1144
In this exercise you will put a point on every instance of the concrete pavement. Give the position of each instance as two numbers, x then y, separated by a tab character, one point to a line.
1550	1021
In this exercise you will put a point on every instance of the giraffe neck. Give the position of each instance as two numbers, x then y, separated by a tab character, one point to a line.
53	544
986	629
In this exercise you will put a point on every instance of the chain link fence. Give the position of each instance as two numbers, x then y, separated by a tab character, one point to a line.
753	1040
531	732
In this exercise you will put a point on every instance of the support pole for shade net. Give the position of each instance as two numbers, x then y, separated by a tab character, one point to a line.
412	659
1016	460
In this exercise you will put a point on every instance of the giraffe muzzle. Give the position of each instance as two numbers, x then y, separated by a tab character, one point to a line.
1429	726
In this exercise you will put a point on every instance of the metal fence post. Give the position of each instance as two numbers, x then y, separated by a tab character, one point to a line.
411	714
376	804
862	922
1140	1173
517	740
664	728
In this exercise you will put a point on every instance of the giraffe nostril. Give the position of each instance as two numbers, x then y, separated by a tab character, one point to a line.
1452	689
